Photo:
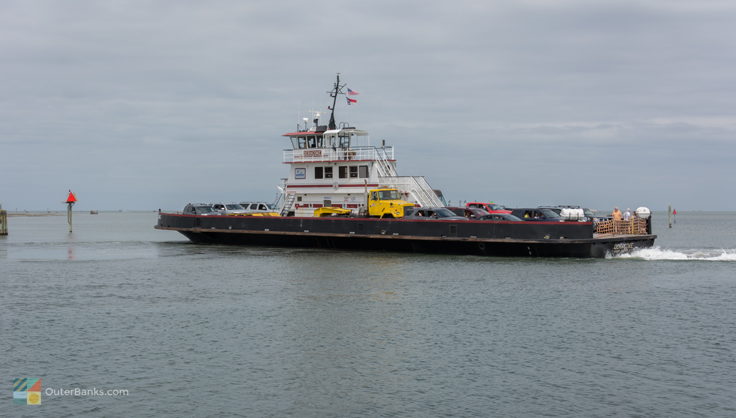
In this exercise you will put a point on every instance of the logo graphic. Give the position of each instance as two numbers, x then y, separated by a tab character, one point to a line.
27	391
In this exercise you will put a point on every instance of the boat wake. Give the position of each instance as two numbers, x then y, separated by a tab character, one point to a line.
695	254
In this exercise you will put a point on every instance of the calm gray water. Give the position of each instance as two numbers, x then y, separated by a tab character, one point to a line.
192	330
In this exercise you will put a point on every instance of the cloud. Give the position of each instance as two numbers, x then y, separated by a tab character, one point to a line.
175	100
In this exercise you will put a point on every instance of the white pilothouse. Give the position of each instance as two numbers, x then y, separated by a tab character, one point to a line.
336	166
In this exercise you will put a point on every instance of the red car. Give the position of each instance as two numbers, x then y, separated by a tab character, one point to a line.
488	207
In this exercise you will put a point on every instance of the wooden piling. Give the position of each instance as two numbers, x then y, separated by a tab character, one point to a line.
3	222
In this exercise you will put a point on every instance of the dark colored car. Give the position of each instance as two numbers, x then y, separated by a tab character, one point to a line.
536	214
501	217
571	213
488	207
433	213
470	213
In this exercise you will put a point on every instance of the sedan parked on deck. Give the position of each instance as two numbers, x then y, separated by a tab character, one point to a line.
470	213
536	214
501	217
433	213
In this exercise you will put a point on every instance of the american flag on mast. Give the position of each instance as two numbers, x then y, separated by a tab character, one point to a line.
351	93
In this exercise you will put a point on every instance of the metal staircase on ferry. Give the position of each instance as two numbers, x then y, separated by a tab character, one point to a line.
417	186
288	203
385	168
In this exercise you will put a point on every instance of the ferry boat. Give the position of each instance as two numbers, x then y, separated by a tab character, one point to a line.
336	167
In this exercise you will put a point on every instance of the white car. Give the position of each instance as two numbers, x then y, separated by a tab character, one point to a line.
228	208
256	207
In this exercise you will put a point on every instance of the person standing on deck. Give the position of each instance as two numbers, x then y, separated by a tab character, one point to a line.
616	215
627	214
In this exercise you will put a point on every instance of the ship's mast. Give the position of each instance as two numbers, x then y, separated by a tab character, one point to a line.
333	93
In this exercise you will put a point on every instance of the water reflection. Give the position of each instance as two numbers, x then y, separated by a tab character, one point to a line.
71	241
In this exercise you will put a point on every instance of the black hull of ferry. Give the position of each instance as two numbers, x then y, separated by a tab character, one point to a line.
507	239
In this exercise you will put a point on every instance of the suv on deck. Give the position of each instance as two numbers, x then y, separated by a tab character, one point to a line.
199	209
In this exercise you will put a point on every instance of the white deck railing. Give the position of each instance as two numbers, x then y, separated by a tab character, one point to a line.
340	154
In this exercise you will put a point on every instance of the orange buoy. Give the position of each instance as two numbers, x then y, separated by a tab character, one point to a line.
70	200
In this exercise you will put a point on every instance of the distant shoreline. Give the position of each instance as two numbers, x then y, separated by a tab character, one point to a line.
15	214
39	213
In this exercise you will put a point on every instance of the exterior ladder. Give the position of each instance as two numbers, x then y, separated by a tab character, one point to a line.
288	203
417	187
423	193
385	168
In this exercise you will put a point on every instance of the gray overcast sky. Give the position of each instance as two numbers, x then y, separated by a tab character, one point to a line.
152	104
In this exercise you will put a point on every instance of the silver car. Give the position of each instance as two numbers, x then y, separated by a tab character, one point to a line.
228	208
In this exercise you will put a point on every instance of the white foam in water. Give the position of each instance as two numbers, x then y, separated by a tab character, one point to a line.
656	253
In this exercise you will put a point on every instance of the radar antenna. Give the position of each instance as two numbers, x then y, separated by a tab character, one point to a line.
337	89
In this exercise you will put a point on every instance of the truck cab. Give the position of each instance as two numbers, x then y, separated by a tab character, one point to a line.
386	203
